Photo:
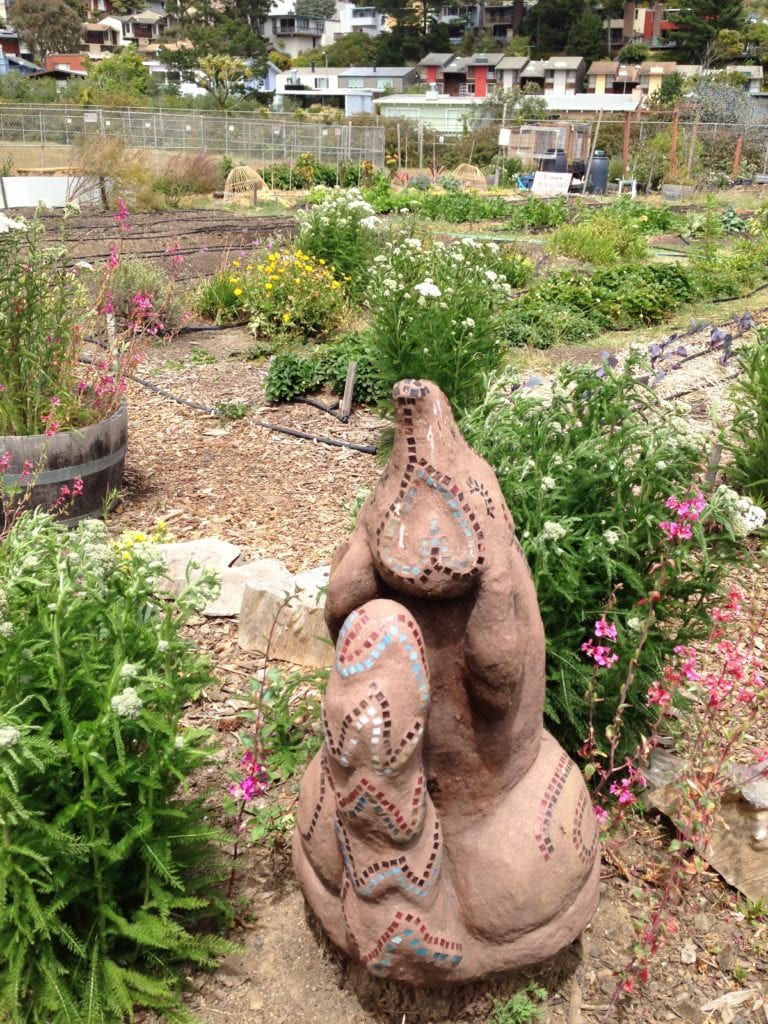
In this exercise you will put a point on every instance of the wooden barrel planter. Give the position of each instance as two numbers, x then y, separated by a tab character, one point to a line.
96	454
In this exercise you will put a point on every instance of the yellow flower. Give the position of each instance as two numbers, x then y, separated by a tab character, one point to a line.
347	277
233	280
286	318
235	263
268	286
335	285
238	291
250	267
321	262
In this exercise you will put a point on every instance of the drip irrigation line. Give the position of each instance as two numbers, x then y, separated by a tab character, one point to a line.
701	387
367	449
194	328
749	295
330	409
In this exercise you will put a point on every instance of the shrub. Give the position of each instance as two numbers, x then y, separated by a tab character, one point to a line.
421	182
435	313
292	375
604	239
290	296
539	213
135	277
747	437
188	174
586	476
342	231
450	183
220	298
105	864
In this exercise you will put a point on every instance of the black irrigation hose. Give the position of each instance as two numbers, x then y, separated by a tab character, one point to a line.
367	449
330	409
194	328
749	295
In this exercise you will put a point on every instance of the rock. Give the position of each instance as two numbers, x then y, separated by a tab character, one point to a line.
209	553
701	922
688	953
739	841
234	580
296	606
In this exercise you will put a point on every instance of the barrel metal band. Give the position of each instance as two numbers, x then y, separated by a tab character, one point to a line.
58	476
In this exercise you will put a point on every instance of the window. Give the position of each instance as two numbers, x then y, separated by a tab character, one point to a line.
385	83
321	83
355	83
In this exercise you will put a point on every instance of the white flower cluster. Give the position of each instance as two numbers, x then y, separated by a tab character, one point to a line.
127	703
743	516
553	531
548	483
428	289
611	538
339	207
9	736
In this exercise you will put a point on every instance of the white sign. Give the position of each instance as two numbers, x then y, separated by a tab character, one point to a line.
547	183
505	137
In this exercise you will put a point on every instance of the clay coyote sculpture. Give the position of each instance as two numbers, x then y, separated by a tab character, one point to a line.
443	835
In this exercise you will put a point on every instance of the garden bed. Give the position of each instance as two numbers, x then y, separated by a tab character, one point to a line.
289	498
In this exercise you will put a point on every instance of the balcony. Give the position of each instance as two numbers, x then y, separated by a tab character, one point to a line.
299	26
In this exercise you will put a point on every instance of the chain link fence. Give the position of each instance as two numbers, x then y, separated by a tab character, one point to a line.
260	140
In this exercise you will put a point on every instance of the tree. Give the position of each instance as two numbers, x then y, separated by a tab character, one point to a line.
48	26
721	102
513	108
124	71
316	8
586	38
353	50
223	77
729	45
634	53
699	22
518	47
669	93
756	42
548	24
213	28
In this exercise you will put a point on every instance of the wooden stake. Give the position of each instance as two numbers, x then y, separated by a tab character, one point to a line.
349	388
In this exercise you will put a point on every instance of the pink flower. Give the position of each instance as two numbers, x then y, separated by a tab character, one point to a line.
605	629
113	260
623	791
5	462
601	654
658	695
601	814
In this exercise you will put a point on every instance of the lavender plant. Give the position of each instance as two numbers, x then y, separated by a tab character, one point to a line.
106	859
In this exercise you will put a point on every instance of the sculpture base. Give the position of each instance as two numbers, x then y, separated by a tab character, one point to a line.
517	886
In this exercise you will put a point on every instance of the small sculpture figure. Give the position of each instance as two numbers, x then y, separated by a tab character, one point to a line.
443	835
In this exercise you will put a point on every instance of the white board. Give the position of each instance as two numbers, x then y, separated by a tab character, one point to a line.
53	190
548	183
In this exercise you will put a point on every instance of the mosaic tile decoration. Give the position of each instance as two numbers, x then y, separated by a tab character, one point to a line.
407	935
436	555
585	815
476	487
381	876
548	803
361	644
367	794
318	808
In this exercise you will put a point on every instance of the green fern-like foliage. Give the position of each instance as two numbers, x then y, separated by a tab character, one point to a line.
586	476
106	864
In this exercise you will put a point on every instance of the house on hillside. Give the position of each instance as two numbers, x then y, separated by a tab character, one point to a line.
292	33
365	20
350	89
503	20
432	68
564	76
610	77
508	72
753	76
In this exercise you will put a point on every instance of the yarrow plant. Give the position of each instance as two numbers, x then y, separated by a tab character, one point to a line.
341	230
106	859
435	311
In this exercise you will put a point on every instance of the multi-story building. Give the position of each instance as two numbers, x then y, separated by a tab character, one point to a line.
503	20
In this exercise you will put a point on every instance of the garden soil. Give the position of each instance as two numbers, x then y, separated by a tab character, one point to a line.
284	497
